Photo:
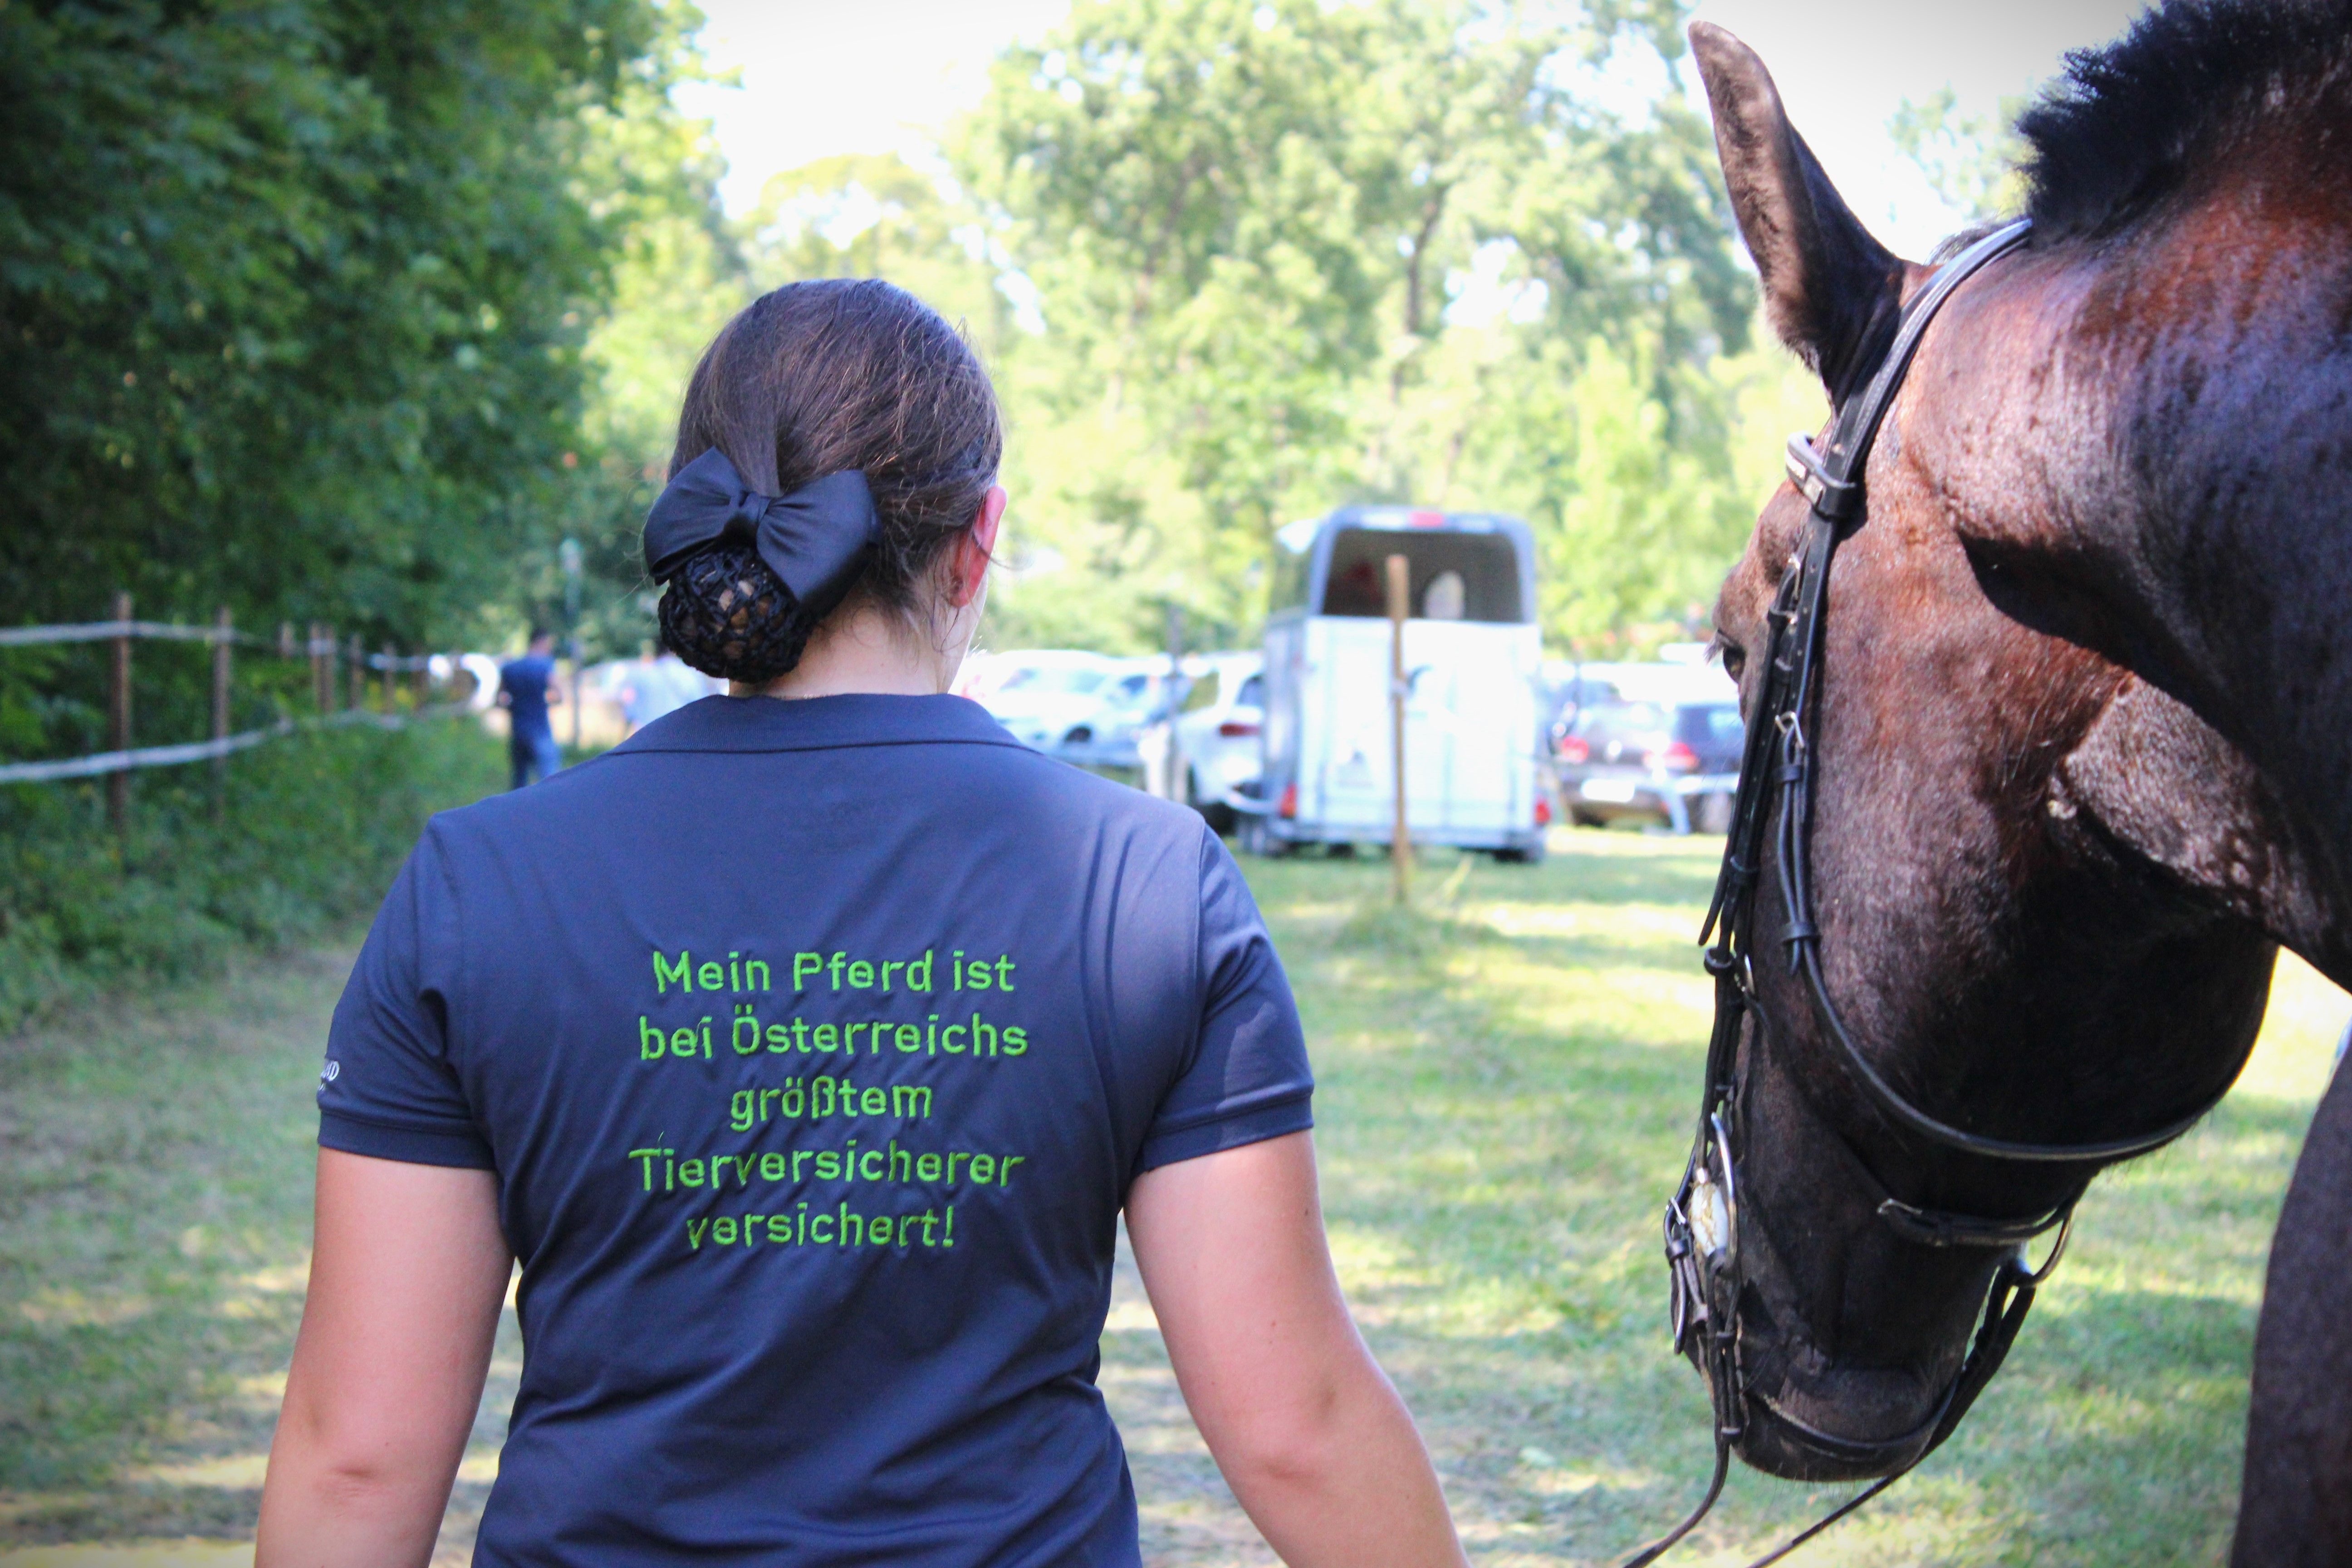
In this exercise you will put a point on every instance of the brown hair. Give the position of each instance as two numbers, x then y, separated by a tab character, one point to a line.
815	379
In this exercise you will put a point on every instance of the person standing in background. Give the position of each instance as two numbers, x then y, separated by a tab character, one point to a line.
661	684
527	689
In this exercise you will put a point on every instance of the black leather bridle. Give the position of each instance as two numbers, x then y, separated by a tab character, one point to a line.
1776	772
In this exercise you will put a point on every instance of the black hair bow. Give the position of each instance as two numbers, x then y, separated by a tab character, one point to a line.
815	539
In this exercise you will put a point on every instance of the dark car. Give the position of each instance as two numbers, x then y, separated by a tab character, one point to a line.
1671	763
1566	699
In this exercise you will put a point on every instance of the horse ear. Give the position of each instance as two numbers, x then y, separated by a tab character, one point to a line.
1831	289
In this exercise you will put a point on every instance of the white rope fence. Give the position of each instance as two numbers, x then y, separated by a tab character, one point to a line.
100	762
318	645
141	757
107	631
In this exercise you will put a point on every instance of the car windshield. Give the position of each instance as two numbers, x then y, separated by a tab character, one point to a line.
1252	694
1055	681
1716	723
1616	720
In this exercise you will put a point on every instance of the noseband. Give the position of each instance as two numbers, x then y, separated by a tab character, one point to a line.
1702	1221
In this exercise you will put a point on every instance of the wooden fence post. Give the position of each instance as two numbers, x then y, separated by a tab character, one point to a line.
322	650
286	639
424	679
1401	836
359	672
391	677
224	632
118	719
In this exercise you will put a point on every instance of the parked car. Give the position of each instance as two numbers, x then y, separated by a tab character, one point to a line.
1049	696
1133	695
1219	732
1566	690
1672	763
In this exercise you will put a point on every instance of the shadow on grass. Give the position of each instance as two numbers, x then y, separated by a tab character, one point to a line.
154	1221
1675	871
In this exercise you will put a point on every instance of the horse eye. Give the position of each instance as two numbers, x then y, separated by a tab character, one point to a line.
1734	656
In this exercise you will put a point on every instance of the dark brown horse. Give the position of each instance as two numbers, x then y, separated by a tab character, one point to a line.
2082	734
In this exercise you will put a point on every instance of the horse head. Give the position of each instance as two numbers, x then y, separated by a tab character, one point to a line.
2063	804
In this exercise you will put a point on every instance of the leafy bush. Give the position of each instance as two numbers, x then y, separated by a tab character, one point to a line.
294	294
307	834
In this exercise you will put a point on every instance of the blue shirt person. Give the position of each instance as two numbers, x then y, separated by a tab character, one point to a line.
806	1050
526	689
661	684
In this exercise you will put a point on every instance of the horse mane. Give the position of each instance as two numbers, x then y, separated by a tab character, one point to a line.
2129	124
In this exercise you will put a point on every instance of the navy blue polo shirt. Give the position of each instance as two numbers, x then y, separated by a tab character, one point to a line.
525	682
814	1045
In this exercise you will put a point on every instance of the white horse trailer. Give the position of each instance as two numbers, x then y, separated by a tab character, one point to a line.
1471	654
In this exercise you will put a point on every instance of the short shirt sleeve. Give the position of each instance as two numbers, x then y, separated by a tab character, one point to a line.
388	1088
1247	1079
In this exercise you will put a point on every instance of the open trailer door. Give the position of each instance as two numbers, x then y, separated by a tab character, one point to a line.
1470	652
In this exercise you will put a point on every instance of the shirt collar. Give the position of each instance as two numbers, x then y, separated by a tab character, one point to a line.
818	724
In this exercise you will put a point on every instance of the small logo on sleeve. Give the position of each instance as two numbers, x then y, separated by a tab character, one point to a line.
330	1072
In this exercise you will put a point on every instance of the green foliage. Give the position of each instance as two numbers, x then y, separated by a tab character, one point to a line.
1289	255
1233	263
1969	160
678	273
309	832
874	215
296	292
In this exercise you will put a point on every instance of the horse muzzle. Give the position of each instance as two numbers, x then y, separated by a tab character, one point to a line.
1785	1407
1841	1425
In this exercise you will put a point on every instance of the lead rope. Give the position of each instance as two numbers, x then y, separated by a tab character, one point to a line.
2009	1298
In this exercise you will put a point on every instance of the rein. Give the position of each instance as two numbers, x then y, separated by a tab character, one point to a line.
1776	793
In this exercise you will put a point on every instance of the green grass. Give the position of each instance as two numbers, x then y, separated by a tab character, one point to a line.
1505	1084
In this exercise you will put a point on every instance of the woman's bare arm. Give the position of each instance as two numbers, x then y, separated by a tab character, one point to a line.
408	1269
1308	1432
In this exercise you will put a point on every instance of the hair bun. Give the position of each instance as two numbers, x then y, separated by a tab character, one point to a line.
727	613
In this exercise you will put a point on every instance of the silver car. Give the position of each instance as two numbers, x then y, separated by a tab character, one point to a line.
1219	732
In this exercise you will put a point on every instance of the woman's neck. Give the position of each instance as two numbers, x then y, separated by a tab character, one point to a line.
865	649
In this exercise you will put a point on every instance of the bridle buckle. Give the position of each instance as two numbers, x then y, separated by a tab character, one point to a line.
1832	495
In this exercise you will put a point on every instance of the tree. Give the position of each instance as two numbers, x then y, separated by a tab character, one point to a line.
679	269
1971	160
297	293
1253	233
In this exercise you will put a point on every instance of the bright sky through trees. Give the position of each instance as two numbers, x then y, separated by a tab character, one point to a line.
820	78
1234	261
